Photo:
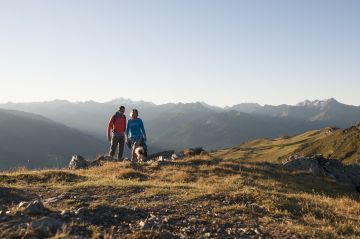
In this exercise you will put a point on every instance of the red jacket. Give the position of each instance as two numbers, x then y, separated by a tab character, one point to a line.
117	124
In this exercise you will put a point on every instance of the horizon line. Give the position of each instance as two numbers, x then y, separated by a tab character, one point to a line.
159	104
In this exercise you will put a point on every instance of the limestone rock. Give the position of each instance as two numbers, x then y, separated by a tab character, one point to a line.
193	151
45	226
78	162
319	166
175	156
32	208
163	154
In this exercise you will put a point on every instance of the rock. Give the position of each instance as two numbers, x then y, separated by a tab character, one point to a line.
147	225
164	154
331	168
13	226
193	151
23	204
80	211
304	164
3	211
65	214
101	160
55	199
142	224
33	208
353	172
150	223
167	235
46	226
175	156
78	162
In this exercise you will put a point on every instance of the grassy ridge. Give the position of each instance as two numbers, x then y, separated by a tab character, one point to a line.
272	150
339	144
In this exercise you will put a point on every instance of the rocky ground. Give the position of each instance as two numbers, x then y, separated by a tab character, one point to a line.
199	196
37	213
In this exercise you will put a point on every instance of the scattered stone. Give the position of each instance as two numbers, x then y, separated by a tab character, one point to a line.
22	204
12	227
33	208
80	211
193	152
78	162
257	231
55	199
3	211
164	154
101	160
150	223
46	226
175	156
65	214
167	235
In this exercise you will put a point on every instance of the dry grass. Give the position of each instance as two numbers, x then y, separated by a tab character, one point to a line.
231	189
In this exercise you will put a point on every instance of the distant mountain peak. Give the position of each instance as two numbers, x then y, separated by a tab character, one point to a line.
245	107
212	107
318	103
123	101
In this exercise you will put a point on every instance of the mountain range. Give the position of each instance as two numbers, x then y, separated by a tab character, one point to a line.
80	127
199	124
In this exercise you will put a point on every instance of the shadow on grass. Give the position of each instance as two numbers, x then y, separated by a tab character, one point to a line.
133	175
42	177
13	195
105	215
298	182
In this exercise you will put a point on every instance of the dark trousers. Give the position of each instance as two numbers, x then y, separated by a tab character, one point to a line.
117	140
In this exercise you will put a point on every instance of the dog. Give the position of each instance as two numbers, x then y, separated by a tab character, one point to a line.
140	154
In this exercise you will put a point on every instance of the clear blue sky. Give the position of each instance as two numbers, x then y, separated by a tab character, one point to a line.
222	52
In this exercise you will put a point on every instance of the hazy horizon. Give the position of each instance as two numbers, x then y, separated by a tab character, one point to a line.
219	52
140	100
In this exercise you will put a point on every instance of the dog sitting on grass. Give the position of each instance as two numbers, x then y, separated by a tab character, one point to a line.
140	154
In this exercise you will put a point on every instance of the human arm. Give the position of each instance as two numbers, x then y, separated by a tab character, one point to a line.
127	132
143	129
110	127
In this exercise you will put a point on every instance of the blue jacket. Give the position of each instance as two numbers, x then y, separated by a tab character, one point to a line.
135	129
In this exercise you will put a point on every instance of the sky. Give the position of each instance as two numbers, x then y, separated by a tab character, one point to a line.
222	52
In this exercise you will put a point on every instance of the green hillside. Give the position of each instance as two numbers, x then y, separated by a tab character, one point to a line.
272	150
343	145
339	144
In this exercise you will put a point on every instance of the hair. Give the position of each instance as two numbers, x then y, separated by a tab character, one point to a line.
122	107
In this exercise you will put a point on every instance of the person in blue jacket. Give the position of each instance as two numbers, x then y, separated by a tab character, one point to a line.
135	133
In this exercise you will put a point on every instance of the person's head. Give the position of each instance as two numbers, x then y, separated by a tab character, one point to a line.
134	113
122	109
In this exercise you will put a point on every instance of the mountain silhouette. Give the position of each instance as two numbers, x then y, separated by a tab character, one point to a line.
36	142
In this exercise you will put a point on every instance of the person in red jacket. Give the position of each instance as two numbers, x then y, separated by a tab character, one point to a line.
117	126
